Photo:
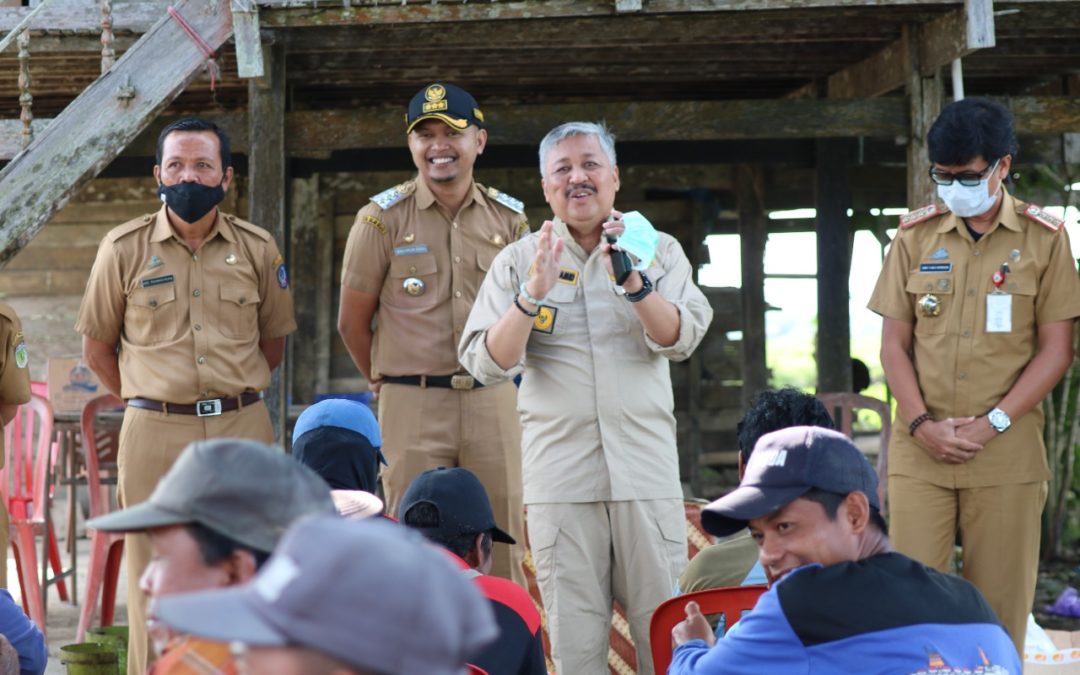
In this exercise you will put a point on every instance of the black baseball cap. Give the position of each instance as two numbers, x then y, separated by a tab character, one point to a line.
459	498
784	466
446	102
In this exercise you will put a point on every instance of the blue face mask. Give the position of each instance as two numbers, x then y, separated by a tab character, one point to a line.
968	202
191	201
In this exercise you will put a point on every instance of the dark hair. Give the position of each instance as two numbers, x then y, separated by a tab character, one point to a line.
425	517
831	502
776	409
971	128
197	124
216	547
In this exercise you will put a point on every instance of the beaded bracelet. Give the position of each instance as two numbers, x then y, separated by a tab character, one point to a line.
530	299
917	422
524	311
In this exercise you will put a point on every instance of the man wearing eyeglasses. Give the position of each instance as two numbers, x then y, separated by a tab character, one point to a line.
979	296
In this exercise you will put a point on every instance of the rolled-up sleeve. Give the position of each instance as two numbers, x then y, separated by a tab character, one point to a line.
677	287
494	299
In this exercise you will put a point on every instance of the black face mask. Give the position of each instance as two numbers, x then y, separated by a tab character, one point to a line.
191	201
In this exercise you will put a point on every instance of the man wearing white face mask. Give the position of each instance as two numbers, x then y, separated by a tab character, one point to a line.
979	298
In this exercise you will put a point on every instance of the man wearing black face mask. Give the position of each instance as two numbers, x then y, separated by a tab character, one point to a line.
185	315
979	297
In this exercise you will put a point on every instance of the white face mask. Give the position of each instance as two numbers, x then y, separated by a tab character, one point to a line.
968	202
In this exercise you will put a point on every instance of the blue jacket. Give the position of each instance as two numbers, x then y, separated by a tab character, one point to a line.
886	614
23	635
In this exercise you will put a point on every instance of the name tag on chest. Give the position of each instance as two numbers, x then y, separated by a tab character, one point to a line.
411	250
999	313
157	281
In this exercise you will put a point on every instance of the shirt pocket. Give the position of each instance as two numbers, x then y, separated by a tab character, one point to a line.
559	309
239	311
1023	288
152	315
421	273
939	286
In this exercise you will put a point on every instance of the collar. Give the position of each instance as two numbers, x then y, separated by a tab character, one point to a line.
1007	217
425	198
163	229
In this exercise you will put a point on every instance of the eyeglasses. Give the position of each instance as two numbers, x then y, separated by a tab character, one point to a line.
967	179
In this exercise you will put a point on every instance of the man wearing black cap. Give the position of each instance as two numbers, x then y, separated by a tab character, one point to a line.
415	259
841	600
450	507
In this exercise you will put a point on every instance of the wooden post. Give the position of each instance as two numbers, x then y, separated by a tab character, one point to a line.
833	198
26	99
753	232
309	260
267	188
702	210
924	99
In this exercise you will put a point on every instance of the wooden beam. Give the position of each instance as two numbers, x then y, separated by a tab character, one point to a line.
925	96
97	125
753	232
84	16
833	199
304	264
267	195
941	41
249	50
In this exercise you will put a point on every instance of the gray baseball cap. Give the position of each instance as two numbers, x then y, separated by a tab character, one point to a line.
371	594
784	466
243	489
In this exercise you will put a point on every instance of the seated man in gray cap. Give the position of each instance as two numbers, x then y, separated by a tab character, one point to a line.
343	597
841	600
212	521
451	508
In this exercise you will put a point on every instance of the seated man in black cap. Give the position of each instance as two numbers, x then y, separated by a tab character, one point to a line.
841	600
451	508
212	521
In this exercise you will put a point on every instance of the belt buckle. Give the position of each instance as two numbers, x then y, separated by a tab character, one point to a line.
462	382
208	408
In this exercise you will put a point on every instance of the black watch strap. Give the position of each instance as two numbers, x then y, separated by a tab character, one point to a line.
646	288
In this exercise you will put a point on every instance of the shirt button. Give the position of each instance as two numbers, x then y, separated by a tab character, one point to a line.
197	326
967	333
195	257
455	225
977	252
202	359
962	376
153	303
971	293
457	294
196	292
412	269
206	392
457	258
243	300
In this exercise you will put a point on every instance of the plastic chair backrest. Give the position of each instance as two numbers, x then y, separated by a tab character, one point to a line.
731	601
31	453
841	406
98	443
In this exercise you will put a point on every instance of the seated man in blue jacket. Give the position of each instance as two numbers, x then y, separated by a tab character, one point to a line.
23	635
841	600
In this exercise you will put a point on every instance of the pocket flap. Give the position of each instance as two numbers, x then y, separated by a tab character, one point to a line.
240	295
418	264
938	284
153	297
542	535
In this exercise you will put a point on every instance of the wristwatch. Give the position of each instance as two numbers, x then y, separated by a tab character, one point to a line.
999	419
646	288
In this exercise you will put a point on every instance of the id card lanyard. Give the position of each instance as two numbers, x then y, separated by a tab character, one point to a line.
999	304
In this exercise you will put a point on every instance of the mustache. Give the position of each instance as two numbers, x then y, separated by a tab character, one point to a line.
580	186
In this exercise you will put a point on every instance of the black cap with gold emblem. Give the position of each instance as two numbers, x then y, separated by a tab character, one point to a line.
445	102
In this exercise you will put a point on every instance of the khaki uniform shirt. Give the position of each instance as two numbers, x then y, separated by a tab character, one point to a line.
188	324
412	238
962	369
14	370
595	398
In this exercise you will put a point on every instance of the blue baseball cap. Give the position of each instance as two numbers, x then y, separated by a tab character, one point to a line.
341	413
784	466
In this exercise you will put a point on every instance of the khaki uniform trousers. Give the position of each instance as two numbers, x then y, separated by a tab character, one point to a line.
478	429
586	554
149	444
999	530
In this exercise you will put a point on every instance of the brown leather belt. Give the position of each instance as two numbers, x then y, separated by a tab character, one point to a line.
459	381
208	408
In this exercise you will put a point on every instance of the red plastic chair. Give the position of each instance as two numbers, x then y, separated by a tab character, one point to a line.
731	602
106	548
31	454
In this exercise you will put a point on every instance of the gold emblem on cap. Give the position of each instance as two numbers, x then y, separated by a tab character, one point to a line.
230	259
435	92
414	286
409	238
930	305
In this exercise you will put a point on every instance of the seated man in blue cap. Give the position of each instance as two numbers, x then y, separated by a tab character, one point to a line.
339	440
841	600
451	508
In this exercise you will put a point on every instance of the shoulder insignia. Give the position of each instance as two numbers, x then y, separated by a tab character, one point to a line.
388	198
375	222
261	232
522	230
917	216
1040	216
130	226
515	205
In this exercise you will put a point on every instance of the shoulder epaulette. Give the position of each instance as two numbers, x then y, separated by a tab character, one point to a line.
1040	216
912	218
388	198
130	226
515	205
249	227
8	311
